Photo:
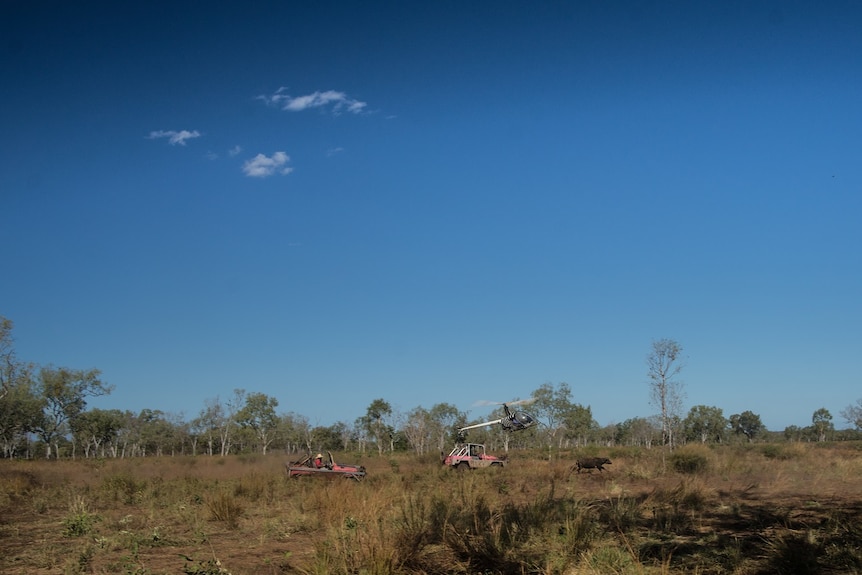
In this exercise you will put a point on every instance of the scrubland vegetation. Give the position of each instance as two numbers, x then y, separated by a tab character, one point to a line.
742	509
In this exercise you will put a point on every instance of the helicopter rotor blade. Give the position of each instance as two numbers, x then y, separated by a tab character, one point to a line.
485	402
527	401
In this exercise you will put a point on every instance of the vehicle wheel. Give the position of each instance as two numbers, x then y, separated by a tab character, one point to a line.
497	465
463	466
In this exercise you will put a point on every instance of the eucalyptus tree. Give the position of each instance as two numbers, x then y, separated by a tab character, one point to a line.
607	435
97	429
208	424
127	435
64	394
180	433
432	429
579	424
418	429
445	419
664	363
346	435
705	423
334	437
230	421
258	414
20	409
821	421
551	405
195	433
215	423
375	422
295	432
12	371
185	434
360	429
623	432
852	414
156	434
20	414
748	424
793	433
638	431
7	355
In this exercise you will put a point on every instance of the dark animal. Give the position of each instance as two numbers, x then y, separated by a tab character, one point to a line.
592	463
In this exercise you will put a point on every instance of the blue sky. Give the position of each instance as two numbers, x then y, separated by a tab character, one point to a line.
433	202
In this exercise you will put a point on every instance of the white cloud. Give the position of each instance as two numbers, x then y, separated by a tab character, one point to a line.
262	166
234	151
337	101
175	137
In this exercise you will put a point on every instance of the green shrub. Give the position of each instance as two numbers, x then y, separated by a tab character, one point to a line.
123	487
80	521
78	525
774	451
688	462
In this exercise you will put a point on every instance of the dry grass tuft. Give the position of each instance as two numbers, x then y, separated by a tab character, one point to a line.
225	507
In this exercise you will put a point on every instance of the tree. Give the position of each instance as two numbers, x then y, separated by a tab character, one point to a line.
445	417
296	432
637	431
345	435
578	423
418	429
216	422
704	424
127	435
95	429
20	409
746	423
64	394
664	363
552	405
331	437
20	414
374	421
564	421
852	414
259	415
156	435
623	433
821	420
209	422
607	434
10	368
793	433
233	407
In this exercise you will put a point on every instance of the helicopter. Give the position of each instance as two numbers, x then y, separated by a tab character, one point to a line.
511	421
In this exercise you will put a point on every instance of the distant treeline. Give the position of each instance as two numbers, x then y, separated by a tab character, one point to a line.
44	414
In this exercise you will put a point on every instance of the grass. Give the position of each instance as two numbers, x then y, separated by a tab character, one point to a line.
706	510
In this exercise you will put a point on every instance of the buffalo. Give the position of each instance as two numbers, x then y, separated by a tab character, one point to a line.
592	463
